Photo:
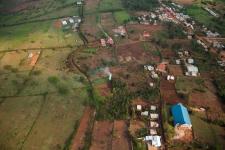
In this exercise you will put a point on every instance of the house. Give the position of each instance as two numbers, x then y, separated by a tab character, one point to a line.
103	42
146	34
180	115
161	67
191	70
190	60
64	22
155	140
110	41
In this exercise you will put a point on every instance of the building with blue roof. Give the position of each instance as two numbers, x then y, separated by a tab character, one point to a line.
180	115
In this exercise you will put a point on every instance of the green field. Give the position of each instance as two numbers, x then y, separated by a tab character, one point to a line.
39	103
121	16
206	132
110	5
36	35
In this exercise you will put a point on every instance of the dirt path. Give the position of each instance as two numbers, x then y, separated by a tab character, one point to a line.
78	141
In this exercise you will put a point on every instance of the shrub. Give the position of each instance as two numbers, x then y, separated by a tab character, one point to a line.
53	80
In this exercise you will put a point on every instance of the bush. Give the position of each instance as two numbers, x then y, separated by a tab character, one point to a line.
53	80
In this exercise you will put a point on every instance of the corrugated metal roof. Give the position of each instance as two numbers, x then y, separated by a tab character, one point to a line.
180	114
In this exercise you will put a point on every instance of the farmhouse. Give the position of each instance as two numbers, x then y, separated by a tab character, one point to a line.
180	115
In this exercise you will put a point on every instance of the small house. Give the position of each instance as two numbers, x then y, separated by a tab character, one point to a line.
161	67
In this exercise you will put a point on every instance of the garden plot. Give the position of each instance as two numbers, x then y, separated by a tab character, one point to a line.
56	120
17	115
175	70
168	92
102	135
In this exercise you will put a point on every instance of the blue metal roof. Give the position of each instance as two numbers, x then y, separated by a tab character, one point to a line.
180	114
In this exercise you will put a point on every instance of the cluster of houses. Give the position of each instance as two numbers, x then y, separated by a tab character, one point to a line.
149	112
210	11
191	69
71	22
149	18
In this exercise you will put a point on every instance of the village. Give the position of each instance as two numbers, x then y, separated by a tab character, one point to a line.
134	79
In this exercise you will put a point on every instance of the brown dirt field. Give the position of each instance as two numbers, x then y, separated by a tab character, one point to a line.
136	125
168	92
168	53
132	75
94	60
139	29
120	136
207	100
184	2
78	140
102	135
175	70
134	52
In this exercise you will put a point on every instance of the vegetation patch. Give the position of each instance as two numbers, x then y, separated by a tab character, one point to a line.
121	17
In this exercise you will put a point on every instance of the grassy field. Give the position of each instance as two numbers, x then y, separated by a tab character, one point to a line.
186	85
40	105
121	16
110	5
206	132
36	35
